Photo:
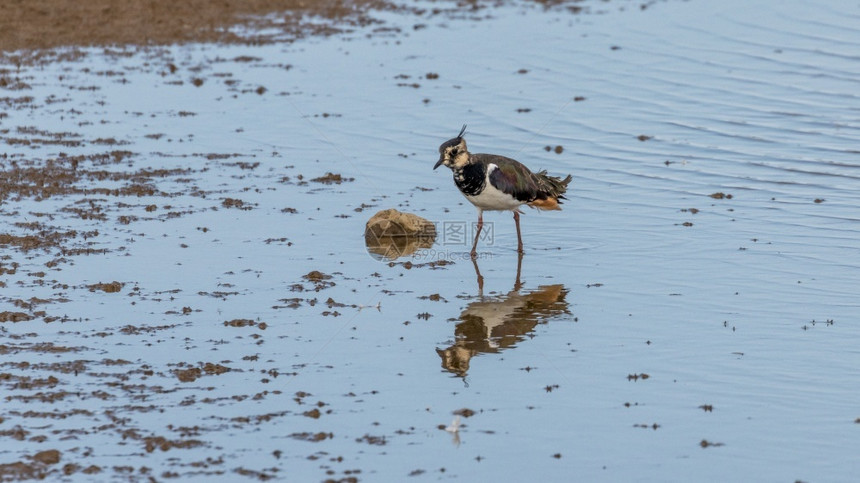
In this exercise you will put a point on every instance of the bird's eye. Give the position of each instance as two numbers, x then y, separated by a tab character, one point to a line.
454	152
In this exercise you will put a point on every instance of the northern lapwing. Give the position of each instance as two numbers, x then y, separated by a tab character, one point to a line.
496	183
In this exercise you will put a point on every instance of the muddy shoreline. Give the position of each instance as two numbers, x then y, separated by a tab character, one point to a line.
47	24
38	25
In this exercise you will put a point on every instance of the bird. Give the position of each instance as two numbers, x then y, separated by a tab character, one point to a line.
497	183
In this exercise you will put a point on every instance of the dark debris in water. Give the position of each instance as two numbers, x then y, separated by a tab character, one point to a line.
465	412
317	279
332	178
8	316
38	466
372	440
237	203
814	323
245	323
110	287
636	377
710	444
312	437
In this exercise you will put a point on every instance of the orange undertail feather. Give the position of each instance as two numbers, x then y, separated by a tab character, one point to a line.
552	191
547	204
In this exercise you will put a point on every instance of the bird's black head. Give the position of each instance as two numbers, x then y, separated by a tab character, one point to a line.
453	152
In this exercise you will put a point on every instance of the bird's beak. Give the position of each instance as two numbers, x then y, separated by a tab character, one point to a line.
439	163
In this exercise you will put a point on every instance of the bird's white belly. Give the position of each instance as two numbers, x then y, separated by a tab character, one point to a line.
493	199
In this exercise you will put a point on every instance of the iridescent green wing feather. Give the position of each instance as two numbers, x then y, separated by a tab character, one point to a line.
513	178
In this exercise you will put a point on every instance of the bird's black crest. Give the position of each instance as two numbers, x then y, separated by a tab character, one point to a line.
453	141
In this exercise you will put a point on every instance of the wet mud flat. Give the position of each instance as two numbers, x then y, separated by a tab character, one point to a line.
83	397
185	290
106	22
91	336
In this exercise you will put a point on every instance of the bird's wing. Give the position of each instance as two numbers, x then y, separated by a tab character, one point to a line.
512	177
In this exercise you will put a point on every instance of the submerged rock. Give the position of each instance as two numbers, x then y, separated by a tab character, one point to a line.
390	234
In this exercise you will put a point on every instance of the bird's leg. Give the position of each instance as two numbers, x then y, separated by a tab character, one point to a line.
474	251
518	284
480	277
519	236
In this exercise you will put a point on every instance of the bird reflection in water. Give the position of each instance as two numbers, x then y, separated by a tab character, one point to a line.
494	323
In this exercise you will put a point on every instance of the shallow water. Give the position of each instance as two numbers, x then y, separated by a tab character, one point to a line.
659	333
